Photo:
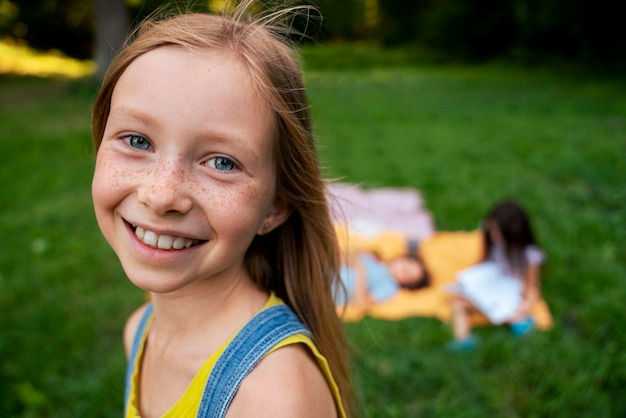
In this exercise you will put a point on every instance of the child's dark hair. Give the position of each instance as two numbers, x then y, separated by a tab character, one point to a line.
514	225
413	252
420	284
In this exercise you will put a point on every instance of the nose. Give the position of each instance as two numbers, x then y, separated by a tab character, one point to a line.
166	188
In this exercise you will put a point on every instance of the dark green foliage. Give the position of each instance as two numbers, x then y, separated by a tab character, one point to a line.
530	31
471	30
340	18
399	20
64	25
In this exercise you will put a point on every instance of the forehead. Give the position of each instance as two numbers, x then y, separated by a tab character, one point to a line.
215	81
203	94
187	68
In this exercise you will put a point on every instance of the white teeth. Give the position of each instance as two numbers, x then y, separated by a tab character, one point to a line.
150	238
179	243
163	242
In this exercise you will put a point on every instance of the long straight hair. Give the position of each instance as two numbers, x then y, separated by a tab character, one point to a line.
299	260
514	225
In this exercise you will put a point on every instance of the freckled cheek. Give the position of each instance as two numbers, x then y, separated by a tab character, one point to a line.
239	208
109	179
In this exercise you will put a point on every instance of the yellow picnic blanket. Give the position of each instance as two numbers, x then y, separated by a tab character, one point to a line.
444	254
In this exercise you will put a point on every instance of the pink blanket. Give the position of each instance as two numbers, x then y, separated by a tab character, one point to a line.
369	212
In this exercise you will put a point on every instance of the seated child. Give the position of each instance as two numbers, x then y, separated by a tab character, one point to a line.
511	249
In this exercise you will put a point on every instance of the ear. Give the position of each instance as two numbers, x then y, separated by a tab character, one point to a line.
277	215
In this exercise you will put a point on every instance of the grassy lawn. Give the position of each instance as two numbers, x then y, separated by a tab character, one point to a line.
464	136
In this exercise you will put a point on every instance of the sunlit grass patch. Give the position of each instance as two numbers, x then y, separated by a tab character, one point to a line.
20	59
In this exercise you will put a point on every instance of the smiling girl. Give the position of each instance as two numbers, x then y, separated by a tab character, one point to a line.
208	189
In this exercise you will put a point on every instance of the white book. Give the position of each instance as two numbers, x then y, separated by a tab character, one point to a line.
493	292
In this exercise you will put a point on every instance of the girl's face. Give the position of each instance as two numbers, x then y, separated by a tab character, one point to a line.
406	270
184	176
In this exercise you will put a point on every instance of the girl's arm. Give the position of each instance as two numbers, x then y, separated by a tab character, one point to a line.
530	293
286	383
362	298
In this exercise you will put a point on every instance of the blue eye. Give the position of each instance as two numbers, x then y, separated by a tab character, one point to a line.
222	164
139	142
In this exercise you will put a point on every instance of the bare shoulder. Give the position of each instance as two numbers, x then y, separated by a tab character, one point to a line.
130	329
286	383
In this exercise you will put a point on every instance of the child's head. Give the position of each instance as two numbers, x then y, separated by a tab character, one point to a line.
275	77
407	271
296	256
508	224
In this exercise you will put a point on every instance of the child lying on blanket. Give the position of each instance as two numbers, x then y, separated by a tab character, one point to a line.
505	285
368	280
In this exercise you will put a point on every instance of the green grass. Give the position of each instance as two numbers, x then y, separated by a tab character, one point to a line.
464	136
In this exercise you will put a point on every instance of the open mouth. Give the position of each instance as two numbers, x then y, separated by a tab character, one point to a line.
163	242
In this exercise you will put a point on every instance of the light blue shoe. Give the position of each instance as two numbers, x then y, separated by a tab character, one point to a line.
464	345
522	327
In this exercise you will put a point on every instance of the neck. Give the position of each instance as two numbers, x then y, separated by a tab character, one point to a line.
214	309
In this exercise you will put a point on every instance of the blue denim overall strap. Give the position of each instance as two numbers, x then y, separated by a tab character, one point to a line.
250	345
133	353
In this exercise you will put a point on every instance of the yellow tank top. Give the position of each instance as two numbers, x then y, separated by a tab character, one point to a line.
189	403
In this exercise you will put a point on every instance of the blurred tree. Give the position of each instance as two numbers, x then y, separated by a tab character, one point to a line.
589	30
8	15
579	29
602	35
111	28
546	26
474	30
64	25
399	20
339	18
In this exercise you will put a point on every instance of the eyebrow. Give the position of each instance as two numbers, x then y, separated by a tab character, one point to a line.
129	112
145	118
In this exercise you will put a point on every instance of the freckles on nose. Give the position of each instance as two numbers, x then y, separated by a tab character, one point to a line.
158	188
166	180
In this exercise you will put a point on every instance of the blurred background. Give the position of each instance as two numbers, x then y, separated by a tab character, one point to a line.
467	101
529	31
